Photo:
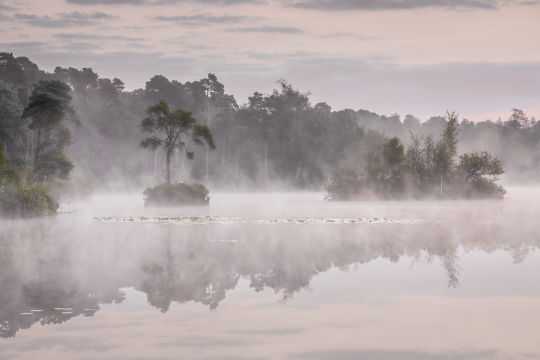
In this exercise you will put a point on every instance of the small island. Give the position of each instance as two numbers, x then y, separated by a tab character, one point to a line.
172	130
176	194
426	169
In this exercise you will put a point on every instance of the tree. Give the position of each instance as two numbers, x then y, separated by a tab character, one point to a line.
476	166
20	195
175	127
446	149
519	119
479	172
393	154
258	112
48	106
11	125
216	101
415	158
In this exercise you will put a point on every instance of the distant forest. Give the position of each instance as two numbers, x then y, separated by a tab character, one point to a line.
276	139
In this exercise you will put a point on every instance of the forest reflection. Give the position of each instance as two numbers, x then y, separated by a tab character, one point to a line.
71	269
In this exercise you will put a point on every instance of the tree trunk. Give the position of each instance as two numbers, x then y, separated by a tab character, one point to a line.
207	159
298	172
168	163
441	185
155	163
223	154
36	153
183	161
266	161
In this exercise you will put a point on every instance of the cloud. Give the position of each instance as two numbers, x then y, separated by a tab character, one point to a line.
529	3
398	355
161	2
201	19
267	332
267	29
64	19
68	344
107	2
23	46
347	5
5	7
467	87
347	35
209	2
202	342
90	37
80	46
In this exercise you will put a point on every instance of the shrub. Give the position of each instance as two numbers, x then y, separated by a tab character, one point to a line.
19	195
28	200
176	194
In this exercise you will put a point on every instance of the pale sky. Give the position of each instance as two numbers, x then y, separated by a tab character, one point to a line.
423	57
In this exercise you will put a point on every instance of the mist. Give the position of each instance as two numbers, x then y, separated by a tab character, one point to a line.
233	179
261	255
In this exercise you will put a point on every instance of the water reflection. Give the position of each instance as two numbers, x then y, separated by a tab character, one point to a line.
54	270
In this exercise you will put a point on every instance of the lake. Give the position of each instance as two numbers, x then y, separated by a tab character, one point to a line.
274	276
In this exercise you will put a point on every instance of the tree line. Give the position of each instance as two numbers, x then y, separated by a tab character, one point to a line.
274	139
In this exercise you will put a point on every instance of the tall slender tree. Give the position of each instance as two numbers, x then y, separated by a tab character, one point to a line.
173	129
446	149
49	104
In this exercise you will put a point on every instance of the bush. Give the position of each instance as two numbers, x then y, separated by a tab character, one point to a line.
176	194
426	170
20	196
28	200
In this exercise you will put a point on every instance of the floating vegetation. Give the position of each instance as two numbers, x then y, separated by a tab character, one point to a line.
210	220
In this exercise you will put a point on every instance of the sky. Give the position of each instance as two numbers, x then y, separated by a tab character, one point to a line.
480	58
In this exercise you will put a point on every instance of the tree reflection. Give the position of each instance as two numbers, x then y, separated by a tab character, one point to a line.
61	273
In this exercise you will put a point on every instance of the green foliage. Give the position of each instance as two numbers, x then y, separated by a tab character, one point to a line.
152	143
174	127
346	184
11	125
276	137
48	104
519	119
480	171
24	191
53	164
47	108
3	157
393	156
446	148
374	168
475	166
176	195
422	170
27	200
20	196
393	152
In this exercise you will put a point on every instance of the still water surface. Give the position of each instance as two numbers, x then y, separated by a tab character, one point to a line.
274	276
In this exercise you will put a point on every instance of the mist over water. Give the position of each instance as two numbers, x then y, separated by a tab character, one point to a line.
230	180
274	275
